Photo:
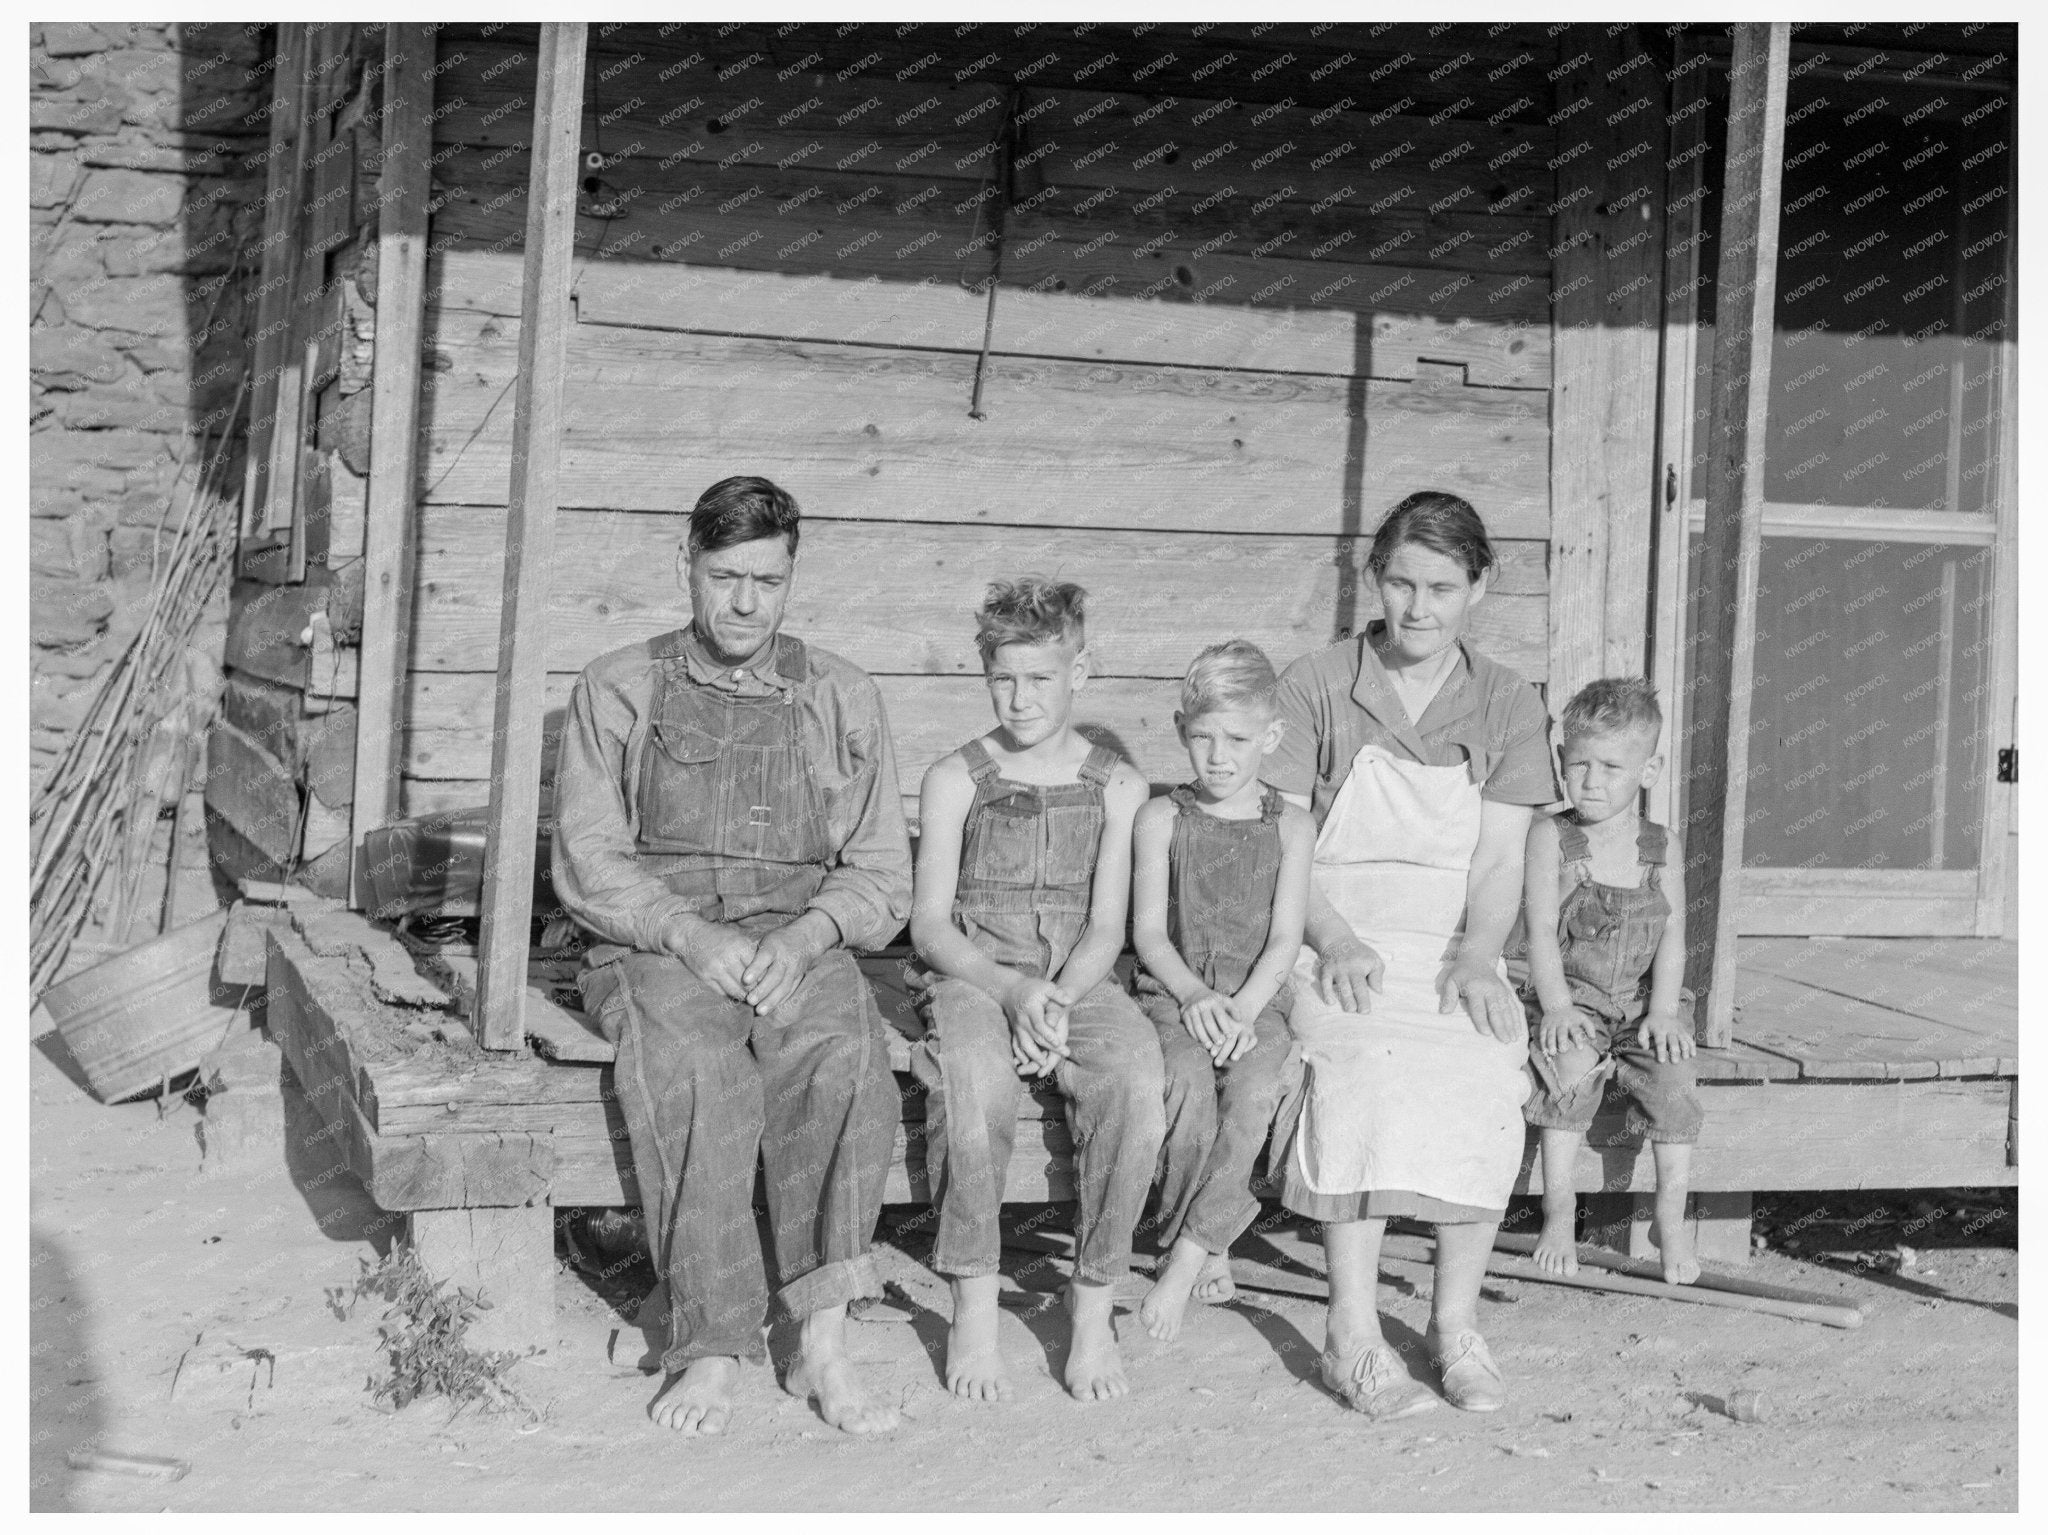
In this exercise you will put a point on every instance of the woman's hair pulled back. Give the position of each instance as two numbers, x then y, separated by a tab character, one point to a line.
1438	521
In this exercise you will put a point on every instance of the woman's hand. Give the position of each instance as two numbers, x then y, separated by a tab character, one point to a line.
1493	1007
1348	973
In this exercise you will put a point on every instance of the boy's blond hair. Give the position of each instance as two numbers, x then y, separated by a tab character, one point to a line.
1031	610
1234	674
1613	706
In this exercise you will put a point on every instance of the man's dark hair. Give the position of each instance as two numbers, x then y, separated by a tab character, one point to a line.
740	509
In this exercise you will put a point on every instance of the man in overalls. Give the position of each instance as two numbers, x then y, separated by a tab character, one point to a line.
727	826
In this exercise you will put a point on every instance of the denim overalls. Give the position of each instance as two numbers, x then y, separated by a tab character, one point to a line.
1027	871
728	795
1608	936
1219	910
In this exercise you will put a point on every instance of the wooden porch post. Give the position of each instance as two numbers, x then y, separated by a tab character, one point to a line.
529	539
394	428
1724	663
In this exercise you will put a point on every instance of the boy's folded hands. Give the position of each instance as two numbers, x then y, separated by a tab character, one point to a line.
1038	1025
1213	1020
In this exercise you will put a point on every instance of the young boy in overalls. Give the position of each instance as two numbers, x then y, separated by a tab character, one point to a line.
1604	902
1220	893
1023	880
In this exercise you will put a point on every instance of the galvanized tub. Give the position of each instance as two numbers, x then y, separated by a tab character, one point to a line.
135	1019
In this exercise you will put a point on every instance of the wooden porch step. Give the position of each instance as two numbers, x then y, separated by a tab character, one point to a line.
435	1122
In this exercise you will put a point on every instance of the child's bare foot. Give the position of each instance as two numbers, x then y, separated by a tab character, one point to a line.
974	1359
698	1398
1095	1371
1166	1303
1668	1225
1674	1247
825	1375
1557	1249
1673	1236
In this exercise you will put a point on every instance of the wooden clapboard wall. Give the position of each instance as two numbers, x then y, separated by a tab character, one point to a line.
1256	284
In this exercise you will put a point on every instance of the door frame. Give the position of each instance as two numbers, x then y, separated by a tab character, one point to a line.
1804	902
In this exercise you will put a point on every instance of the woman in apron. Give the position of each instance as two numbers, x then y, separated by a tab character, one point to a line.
1421	760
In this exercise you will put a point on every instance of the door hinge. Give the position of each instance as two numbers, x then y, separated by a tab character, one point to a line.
2009	764
1670	484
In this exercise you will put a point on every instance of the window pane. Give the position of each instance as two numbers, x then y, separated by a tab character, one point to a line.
1867	724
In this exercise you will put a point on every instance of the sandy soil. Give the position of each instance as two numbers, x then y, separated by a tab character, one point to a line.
178	1311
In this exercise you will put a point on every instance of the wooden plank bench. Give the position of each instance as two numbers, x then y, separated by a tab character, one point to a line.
478	1148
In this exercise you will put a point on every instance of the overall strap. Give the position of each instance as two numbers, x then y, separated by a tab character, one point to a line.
1271	805
1183	798
980	765
1100	765
667	647
1652	842
1572	846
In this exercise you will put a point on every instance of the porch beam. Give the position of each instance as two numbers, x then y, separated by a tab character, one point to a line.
1724	657
1607	323
388	534
529	539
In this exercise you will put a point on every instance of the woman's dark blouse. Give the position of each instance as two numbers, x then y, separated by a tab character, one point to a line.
1484	717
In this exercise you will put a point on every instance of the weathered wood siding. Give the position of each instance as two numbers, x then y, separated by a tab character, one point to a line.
1238	315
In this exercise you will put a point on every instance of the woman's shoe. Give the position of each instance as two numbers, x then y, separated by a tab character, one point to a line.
1374	1382
1471	1379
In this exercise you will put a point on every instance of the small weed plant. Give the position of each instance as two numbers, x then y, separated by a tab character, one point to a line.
424	1330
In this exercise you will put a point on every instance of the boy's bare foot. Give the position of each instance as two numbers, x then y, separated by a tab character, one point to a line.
1095	1371
1674	1245
1214	1284
825	1375
1557	1249
698	1398
1668	1225
974	1358
1166	1303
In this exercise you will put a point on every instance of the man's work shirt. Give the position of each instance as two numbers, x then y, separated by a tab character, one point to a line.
688	787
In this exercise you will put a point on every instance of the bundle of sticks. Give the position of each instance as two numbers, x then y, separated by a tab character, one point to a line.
135	752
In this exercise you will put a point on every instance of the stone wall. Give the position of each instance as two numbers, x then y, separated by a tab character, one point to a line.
145	181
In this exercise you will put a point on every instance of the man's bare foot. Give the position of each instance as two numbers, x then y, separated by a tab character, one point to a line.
825	1375
974	1357
1557	1249
1214	1286
1095	1371
1166	1303
698	1399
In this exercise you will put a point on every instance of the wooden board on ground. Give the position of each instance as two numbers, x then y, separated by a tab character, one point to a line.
899	598
888	436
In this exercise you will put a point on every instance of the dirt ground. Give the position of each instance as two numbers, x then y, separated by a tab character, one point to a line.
184	1312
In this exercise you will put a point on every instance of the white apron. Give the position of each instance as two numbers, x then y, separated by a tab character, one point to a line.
1405	1097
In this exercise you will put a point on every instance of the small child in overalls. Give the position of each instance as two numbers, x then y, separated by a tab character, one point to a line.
1023	882
1220	882
1605	909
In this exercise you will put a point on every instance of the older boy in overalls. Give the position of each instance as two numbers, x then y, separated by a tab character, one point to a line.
1023	880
